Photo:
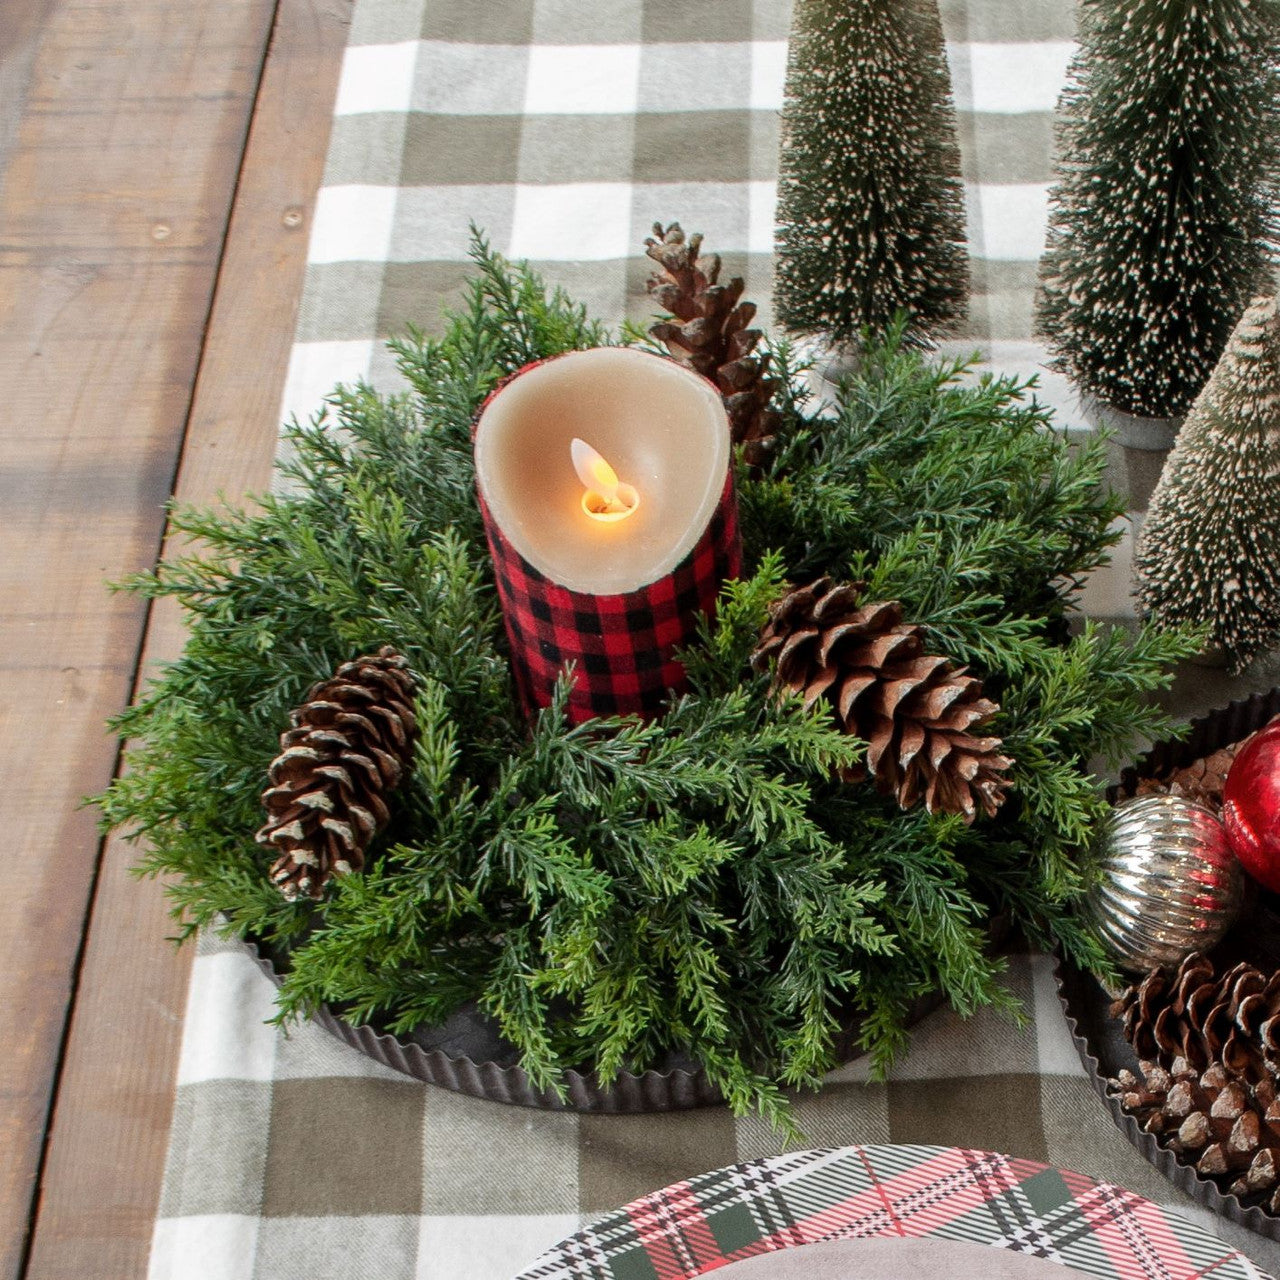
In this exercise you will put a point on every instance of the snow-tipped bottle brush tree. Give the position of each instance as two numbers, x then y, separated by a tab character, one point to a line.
1163	217
870	214
1210	547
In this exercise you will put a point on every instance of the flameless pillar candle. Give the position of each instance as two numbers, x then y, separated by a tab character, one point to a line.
606	488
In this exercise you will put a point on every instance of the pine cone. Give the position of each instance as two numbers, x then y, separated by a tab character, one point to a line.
914	710
350	743
1202	780
709	334
1206	1018
1226	1128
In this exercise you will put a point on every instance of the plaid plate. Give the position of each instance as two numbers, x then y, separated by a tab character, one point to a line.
948	1193
622	647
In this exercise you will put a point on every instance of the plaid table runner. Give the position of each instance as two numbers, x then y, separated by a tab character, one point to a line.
297	1157
564	130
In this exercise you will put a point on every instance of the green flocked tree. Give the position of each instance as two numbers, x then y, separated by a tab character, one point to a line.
1162	222
1210	550
870	206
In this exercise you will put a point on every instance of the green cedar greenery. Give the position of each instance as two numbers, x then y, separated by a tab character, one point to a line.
618	890
1163	222
1210	547
870	205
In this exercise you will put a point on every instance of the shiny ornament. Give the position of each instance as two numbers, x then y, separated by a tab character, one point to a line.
1251	806
1169	883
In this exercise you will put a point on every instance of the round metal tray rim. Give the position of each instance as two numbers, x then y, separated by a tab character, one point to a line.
1183	1176
673	1090
1206	734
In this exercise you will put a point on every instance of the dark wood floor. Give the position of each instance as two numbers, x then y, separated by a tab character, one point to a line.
158	165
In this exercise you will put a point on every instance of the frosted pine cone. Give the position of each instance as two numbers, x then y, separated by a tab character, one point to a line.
1228	1129
917	712
1206	1018
349	744
709	333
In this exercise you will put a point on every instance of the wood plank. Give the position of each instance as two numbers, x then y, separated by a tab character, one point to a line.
103	1170
22	22
117	192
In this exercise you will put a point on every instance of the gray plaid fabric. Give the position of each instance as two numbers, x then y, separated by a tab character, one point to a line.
564	130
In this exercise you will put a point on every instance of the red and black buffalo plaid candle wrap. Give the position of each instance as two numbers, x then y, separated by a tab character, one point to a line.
613	601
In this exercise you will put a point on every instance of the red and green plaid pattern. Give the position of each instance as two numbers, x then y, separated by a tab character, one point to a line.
622	647
810	1197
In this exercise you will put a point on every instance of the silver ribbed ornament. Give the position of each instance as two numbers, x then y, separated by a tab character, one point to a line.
1169	883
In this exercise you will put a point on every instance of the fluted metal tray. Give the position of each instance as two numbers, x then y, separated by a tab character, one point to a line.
1098	1037
467	1055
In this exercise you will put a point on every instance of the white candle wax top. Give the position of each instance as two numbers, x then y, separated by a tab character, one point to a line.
662	429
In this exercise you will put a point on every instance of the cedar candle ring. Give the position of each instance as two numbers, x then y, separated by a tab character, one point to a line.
606	487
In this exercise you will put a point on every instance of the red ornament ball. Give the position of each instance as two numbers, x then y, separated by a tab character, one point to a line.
1251	806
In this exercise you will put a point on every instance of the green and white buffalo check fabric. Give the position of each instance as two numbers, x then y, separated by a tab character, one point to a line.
296	1158
564	129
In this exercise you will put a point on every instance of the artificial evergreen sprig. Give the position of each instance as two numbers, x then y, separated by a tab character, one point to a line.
618	891
960	487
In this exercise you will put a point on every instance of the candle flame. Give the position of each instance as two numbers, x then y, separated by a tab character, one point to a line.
605	497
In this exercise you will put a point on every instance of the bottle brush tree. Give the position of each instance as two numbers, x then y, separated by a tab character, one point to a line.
1210	548
870	206
1163	219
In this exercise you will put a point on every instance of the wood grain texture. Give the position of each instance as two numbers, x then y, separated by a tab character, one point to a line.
105	1158
21	23
117	190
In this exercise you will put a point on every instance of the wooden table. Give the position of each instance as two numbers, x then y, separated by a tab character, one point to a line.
158	163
